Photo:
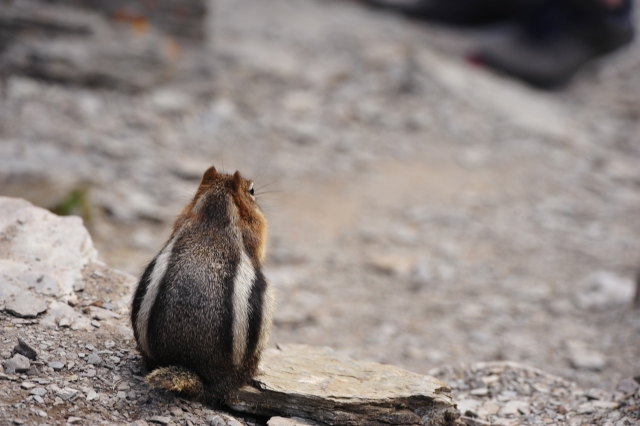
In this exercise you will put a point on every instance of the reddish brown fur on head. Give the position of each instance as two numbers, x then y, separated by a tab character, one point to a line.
246	215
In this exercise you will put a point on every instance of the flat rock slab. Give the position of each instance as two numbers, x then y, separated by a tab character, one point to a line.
332	388
26	306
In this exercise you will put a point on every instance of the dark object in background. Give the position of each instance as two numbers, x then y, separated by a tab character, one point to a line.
556	38
550	40
458	12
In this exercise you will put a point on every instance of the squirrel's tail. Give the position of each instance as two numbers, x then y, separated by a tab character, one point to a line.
177	379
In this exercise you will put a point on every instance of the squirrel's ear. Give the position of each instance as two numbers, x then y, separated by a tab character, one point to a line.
209	175
237	181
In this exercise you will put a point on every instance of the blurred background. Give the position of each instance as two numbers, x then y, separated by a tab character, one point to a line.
423	209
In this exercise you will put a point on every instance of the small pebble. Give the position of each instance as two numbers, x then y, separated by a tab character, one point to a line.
93	359
56	365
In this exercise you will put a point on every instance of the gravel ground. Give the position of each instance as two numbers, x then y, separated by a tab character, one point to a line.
412	221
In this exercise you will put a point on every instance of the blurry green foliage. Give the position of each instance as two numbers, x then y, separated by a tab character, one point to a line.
76	202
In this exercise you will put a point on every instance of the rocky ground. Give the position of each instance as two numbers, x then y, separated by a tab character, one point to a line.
423	212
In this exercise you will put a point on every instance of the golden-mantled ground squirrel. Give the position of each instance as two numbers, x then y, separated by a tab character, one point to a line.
202	310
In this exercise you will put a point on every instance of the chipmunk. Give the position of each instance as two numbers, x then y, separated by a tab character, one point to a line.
202	311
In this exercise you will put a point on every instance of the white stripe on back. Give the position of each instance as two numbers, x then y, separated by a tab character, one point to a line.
242	284
149	298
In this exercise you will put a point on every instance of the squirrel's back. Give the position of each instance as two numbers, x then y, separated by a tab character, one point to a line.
202	309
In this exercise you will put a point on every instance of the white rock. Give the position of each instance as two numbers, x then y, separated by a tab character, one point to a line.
582	358
43	284
399	266
604	290
38	392
467	405
515	408
46	244
25	306
294	421
170	101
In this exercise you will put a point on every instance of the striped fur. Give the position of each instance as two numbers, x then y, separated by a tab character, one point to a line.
202	310
157	273
242	286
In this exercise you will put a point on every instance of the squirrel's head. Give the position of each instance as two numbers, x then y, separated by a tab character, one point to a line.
224	200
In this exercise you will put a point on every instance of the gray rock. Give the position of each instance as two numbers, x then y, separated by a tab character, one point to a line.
160	419
56	365
59	313
215	421
38	392
66	393
93	359
26	306
23	349
101	314
628	386
323	385
17	364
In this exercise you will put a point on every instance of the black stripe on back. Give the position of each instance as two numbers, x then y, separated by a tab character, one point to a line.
226	326
256	302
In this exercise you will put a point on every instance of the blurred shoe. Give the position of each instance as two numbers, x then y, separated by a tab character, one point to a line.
461	12
557	39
